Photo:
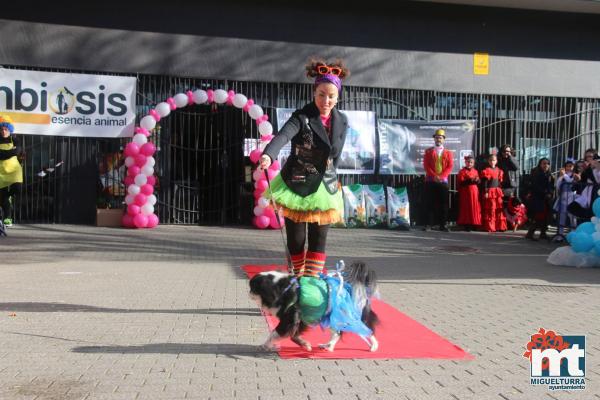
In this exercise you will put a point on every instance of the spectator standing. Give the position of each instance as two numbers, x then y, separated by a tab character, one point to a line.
510	169
542	190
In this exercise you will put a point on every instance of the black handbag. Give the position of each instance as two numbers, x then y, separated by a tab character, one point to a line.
330	178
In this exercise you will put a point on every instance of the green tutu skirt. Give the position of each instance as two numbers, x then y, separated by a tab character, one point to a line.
319	207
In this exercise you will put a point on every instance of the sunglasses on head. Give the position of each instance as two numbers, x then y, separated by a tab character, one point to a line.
326	69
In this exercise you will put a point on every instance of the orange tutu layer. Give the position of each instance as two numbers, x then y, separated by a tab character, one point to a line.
320	217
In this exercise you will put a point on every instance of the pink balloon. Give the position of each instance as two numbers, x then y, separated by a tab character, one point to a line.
255	155
269	212
273	223
133	171
133	209
262	221
258	193
131	150
148	149
272	173
147	189
140	199
266	138
140	220
151	180
140	160
275	165
152	221
128	180
261	185
127	221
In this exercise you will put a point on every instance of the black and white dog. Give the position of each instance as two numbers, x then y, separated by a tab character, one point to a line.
278	293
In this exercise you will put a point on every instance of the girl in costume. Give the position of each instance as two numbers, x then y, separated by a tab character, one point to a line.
516	213
11	173
469	212
307	187
566	194
493	215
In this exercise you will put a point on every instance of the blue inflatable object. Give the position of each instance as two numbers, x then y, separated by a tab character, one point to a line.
586	227
570	237
582	242
597	248
596	207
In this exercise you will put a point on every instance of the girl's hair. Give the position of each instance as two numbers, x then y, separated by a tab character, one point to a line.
492	155
314	62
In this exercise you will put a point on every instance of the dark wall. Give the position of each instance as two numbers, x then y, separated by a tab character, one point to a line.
403	25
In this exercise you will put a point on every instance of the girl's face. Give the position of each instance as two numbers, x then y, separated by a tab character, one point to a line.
580	166
492	161
569	168
469	163
545	165
5	132
326	97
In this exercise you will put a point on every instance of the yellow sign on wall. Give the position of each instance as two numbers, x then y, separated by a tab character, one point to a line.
481	63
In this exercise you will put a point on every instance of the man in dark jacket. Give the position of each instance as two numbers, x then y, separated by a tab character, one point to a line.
510	167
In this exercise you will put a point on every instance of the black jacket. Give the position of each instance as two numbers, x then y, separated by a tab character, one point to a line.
15	151
311	148
510	168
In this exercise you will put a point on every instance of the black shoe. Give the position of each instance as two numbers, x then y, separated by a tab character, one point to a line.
444	229
543	236
426	228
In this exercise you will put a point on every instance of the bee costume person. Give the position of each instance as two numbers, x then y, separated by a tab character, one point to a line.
11	173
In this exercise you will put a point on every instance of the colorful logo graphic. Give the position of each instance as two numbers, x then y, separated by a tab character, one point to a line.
62	101
557	361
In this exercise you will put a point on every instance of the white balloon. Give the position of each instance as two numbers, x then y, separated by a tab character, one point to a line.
150	161
133	190
255	111
262	145
265	128
239	100
596	236
594	220
151	199
140	179
258	211
181	100
147	170
220	96
148	122
147	209
163	109
200	96
262	202
129	161
140	139
129	199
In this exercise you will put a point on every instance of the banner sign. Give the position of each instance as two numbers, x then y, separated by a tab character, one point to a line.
402	143
358	154
59	104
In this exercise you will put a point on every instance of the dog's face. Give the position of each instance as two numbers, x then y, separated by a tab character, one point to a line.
267	289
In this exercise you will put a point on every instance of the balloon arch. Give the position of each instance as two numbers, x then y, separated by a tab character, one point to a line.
139	160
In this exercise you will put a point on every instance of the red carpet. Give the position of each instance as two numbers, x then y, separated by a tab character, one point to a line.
399	336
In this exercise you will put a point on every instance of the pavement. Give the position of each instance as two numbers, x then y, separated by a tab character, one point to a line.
105	313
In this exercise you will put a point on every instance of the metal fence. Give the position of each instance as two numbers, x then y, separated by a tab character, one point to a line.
204	178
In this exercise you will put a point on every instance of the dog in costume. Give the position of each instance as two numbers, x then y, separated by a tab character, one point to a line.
339	301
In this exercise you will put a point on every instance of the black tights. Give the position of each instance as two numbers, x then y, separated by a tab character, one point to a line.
296	236
5	195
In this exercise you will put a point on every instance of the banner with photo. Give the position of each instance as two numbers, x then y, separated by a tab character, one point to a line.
402	143
61	104
358	155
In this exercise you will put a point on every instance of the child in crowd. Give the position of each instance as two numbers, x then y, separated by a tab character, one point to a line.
493	216
469	212
566	194
515	213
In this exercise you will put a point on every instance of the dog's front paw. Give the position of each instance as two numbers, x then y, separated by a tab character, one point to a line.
302	343
269	346
327	346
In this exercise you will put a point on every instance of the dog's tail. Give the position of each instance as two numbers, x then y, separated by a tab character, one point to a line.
364	287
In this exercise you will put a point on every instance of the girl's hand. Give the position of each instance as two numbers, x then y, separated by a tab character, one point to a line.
486	195
264	162
561	172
